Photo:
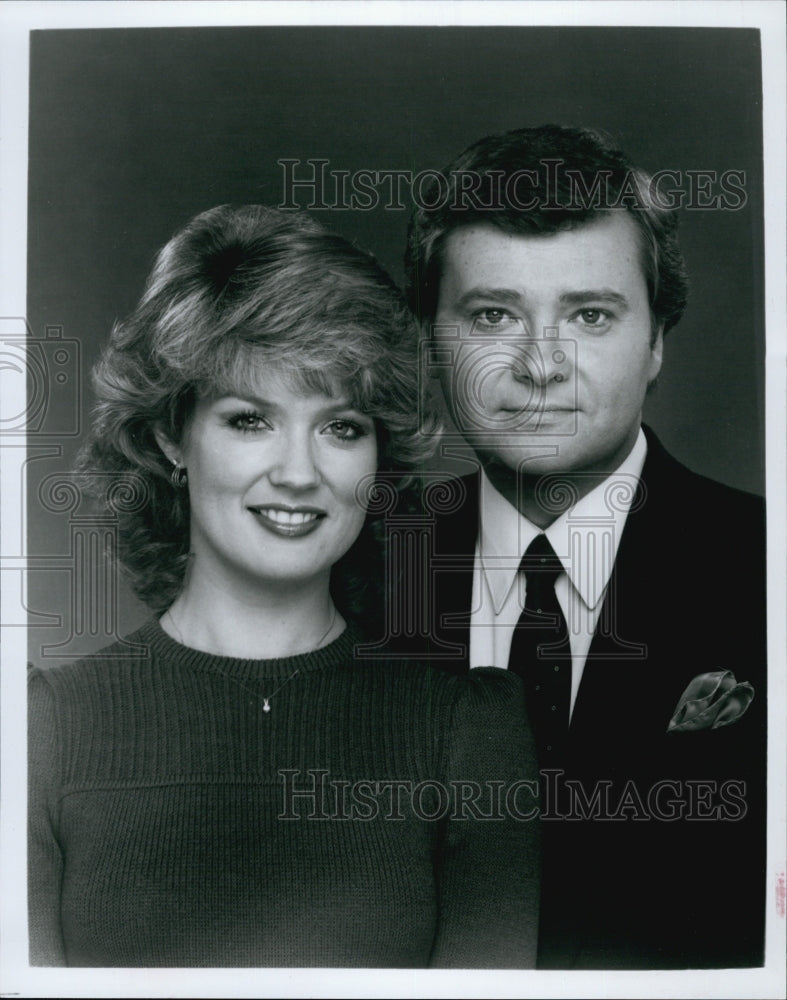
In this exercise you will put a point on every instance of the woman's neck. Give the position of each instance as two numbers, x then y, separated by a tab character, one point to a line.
270	626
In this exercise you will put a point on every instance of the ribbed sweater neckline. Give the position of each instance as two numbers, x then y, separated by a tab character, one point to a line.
164	647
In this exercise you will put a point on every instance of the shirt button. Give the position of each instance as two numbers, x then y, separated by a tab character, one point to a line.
557	667
554	708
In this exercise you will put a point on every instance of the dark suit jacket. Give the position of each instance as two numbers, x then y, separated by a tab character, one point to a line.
654	851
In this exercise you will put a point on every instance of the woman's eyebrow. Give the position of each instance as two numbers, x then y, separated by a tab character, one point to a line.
333	404
249	398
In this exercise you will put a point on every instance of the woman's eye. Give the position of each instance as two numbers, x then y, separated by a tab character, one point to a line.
346	430
248	421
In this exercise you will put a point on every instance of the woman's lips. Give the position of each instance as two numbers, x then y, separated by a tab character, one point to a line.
288	522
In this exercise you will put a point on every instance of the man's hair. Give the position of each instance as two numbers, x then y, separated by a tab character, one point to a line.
236	292
543	180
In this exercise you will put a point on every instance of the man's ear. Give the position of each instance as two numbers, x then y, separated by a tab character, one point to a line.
171	450
656	353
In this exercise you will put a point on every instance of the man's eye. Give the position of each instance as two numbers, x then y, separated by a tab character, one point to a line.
248	421
593	317
493	317
486	320
346	430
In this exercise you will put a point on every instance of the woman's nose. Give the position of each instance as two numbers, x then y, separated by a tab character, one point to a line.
294	465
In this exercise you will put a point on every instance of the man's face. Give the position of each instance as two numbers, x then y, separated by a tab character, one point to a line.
544	343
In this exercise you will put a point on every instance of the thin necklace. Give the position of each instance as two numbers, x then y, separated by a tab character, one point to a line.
265	701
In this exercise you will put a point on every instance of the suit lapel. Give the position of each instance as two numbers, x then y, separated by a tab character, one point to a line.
626	689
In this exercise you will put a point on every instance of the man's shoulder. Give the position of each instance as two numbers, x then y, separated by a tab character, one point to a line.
715	528
705	488
686	490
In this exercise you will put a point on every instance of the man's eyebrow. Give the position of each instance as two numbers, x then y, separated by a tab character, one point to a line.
506	296
594	295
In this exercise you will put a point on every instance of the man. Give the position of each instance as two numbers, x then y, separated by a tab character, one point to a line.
627	591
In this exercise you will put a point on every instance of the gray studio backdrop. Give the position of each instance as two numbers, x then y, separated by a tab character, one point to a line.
134	131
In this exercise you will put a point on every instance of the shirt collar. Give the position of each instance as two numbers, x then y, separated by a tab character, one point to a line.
585	537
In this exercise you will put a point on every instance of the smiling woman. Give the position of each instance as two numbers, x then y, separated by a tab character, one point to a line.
275	503
233	784
234	299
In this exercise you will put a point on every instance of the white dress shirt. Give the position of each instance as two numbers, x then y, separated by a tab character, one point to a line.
585	539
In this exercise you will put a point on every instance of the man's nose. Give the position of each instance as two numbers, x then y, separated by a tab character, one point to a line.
543	360
295	463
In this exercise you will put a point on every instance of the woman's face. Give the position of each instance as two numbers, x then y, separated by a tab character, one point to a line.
272	481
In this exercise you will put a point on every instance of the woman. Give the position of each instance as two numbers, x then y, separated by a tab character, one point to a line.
232	785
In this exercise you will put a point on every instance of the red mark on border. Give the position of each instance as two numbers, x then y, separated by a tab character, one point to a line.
781	893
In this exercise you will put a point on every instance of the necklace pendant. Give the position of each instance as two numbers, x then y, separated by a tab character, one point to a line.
265	705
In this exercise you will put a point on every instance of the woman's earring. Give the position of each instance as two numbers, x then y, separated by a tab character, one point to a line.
179	476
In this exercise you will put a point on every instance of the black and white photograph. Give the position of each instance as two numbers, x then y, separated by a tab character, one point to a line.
393	450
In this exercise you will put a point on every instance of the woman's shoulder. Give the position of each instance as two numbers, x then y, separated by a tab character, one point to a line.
485	683
478	718
485	693
122	657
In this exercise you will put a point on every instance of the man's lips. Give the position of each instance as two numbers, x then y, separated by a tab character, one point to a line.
288	521
537	411
536	403
537	419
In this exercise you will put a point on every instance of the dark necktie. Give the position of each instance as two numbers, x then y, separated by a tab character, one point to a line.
541	653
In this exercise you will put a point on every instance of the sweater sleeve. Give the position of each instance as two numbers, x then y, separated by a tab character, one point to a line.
489	866
44	857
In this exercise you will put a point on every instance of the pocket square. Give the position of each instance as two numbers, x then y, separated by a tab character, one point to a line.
711	700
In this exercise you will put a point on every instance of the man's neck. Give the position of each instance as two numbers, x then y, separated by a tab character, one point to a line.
543	498
527	493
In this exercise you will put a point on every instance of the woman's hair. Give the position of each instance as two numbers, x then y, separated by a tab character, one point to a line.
236	290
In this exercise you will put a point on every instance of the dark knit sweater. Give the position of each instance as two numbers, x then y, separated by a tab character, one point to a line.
164	831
